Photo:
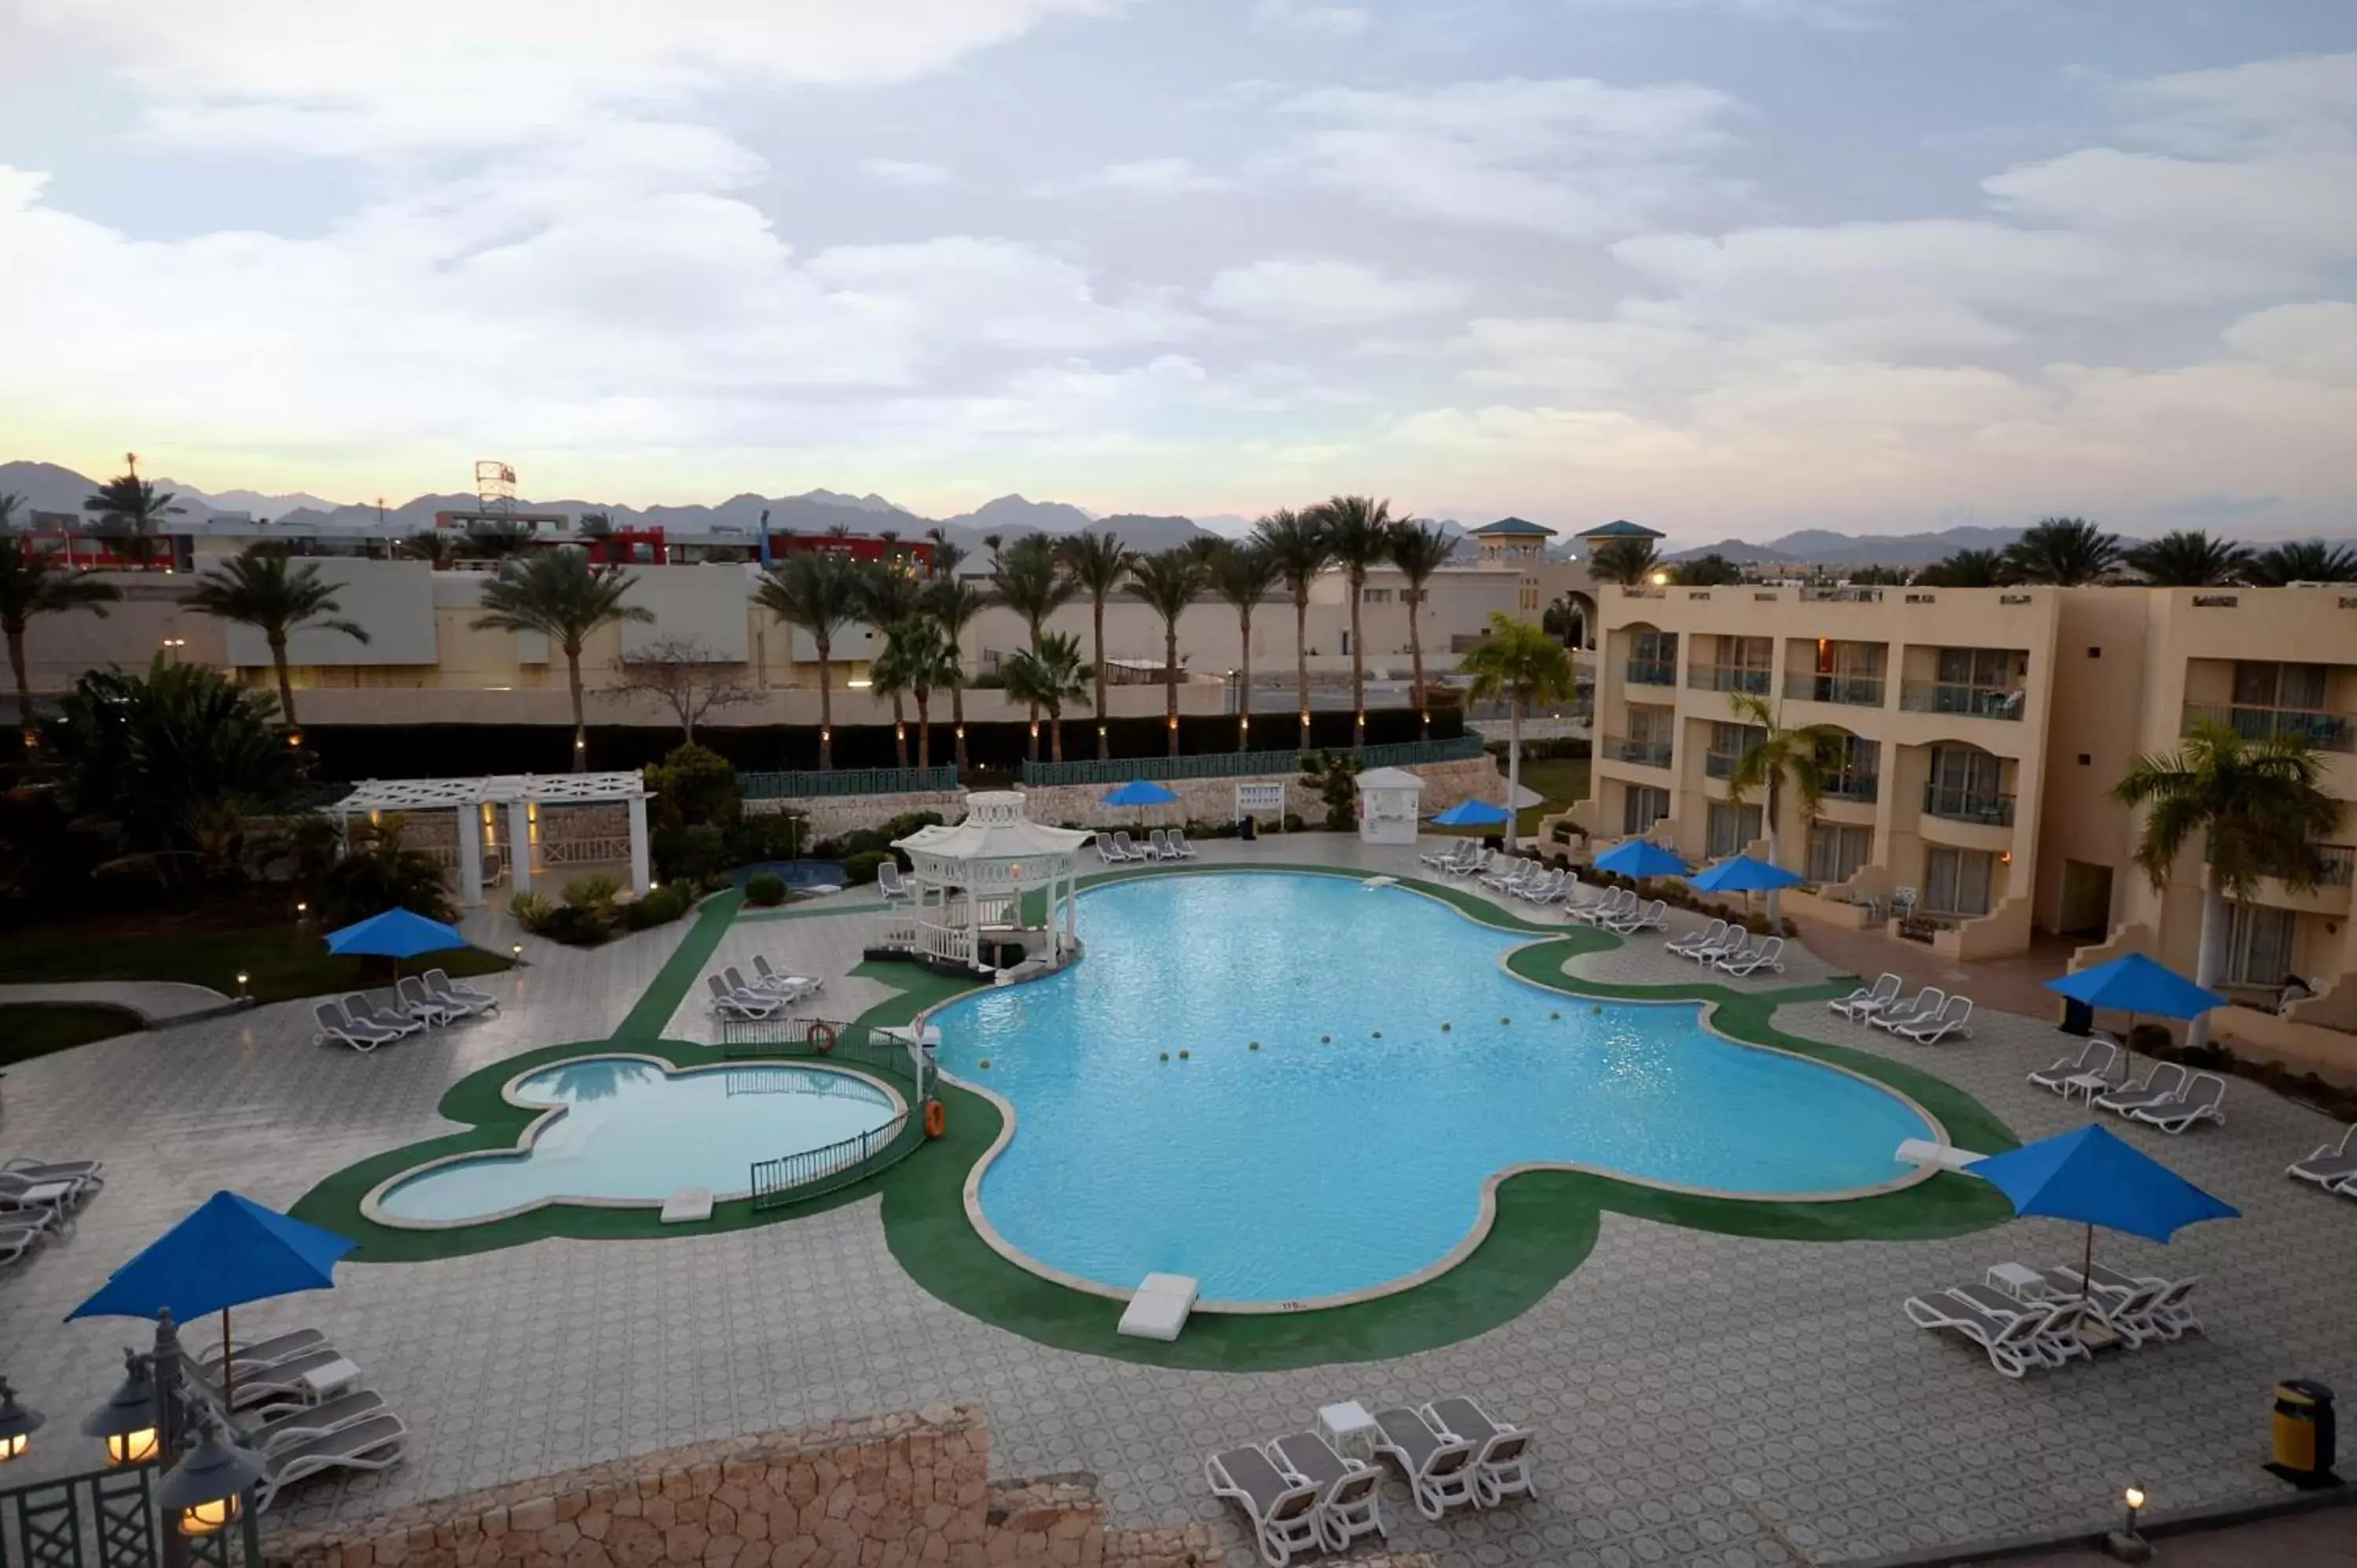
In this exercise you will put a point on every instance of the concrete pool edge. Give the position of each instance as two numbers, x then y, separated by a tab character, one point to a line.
1485	1217
544	1116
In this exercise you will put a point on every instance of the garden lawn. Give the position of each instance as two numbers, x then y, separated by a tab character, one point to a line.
35	1029
278	963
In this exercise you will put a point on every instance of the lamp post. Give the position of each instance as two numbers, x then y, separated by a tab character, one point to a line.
2127	1543
127	1422
17	1424
205	1492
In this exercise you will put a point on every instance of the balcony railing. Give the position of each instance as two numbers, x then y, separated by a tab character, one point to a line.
1653	672
1961	805
2324	731
1719	764
1644	753
1975	701
1728	677
2334	865
1864	788
1857	690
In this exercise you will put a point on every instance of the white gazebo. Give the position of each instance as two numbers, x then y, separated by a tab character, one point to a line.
969	881
543	811
1390	799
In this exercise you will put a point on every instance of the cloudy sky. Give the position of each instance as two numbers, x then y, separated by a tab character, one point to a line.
1729	266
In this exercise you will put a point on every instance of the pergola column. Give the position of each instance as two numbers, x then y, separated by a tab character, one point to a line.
519	845
470	853
973	926
639	871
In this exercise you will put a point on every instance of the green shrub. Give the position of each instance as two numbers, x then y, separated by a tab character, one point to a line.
660	907
577	924
858	870
531	911
597	890
689	854
766	891
695	787
767	835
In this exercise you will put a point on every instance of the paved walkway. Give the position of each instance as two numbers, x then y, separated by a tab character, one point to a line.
156	1001
2324	1540
1702	1398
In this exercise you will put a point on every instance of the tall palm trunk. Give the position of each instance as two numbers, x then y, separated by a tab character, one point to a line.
1243	696
900	734
1104	742
957	717
1358	666
1301	661
1513	769
1416	655
286	688
1775	843
826	704
1055	736
580	723
2209	957
924	729
24	685
1035	707
1170	682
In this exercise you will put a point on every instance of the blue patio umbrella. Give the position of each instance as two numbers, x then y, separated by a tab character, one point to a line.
1640	858
1472	814
1140	792
1743	875
2134	983
230	1252
396	934
2092	1177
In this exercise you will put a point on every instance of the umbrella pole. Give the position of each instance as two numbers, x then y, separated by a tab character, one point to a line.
229	1366
2087	1281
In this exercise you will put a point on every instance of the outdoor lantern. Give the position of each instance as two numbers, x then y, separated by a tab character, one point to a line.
17	1424
2126	1544
301	908
1660	579
127	1420
205	1487
241	980
515	949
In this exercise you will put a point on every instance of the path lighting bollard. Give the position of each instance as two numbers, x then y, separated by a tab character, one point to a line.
2125	1543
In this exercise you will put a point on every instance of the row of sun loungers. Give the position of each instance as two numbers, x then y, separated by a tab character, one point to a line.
2168	1097
283	1413
1724	945
365	1020
1303	1495
1930	1016
2334	1166
770	992
1115	849
2020	1335
38	1198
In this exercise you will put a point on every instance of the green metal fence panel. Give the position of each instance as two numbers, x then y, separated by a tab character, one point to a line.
809	784
1243	764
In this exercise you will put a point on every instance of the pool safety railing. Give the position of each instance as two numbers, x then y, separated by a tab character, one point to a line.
793	1178
814	1173
1241	764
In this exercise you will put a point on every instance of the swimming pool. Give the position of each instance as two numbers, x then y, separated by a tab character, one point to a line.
1398	1067
627	1129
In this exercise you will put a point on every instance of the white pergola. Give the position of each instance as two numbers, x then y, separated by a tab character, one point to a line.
475	800
970	880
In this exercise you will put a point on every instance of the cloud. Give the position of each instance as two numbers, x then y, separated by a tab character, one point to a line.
1568	156
1309	18
1837	16
1147	176
2315	342
894	171
1309	292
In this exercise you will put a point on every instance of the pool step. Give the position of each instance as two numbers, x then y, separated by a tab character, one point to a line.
1922	1151
1159	1309
687	1206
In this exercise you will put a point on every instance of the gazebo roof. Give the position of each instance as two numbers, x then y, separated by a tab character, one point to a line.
1620	528
1513	527
1390	778
995	828
444	794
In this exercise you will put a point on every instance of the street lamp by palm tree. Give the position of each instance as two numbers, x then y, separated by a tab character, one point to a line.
1030	581
1051	677
1298	546
1797	757
815	590
1522	664
1167	582
1628	562
2189	558
558	593
1358	531
1244	574
1097	562
2257	809
2062	551
33	584
919	659
953	603
1419	550
130	510
263	589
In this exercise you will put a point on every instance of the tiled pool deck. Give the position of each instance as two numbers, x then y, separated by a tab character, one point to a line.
1700	1398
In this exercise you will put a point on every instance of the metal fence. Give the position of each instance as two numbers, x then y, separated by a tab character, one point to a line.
814	1173
812	783
105	1518
1243	764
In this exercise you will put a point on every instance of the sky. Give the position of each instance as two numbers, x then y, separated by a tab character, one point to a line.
1729	267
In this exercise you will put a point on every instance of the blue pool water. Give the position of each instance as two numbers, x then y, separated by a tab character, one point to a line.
633	1130
1307	1169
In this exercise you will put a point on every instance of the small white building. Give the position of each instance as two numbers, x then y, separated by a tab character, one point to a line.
1390	801
968	881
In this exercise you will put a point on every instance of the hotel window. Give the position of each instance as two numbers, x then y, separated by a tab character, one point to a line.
1728	742
1967	773
2267	685
1375	596
1837	851
2258	944
1731	827
1958	881
1981	669
1643	805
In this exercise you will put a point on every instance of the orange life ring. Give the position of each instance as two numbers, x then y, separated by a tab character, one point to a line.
937	1118
823	1036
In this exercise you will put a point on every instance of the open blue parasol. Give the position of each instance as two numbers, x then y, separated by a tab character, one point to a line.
2133	984
1640	858
1140	792
396	934
1472	814
1743	875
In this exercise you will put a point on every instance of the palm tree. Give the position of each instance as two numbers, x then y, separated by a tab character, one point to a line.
1029	581
2063	551
1050	677
1297	545
1359	532
889	597
558	593
1708	569
1520	663
926	661
2189	559
1965	569
1096	562
1799	756
1628	562
129	511
2257	808
263	589
10	503
1245	574
431	545
953	605
2304	561
817	591
32	584
1419	550
1167	581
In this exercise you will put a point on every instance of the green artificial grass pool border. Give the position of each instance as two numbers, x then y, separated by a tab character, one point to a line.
1545	1226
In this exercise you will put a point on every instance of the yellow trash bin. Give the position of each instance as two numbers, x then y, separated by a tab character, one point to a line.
2303	1437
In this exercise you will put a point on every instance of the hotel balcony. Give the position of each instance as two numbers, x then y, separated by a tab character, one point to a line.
1860	788
1979	807
2330	894
1644	753
2324	731
1855	691
1972	702
1651	672
1728	677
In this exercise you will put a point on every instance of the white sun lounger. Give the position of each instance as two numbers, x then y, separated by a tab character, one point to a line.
1126	849
302	1424
891	883
1282	1508
374	1444
777	982
1769	955
2204	1099
2162	1081
1867	1000
360	1009
739	1004
1458	855
1105	852
1439	1465
20	1196
264	1352
2011	1343
335	1026
1350	1499
1701	937
21	1232
86	1172
1544	888
2331	1164
279	1385
2124	1307
1728	943
1501	1464
460	998
1645	917
2093	1061
1616	901
1509	875
1922	1010
421	1004
1179	848
2170	1316
1955	1018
